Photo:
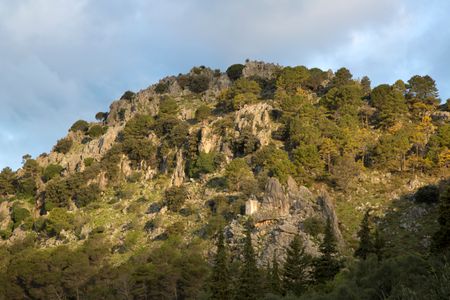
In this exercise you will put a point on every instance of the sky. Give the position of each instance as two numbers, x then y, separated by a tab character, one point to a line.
64	60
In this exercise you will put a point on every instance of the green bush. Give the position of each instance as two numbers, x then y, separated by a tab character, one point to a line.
162	87
96	131
86	195
128	95
313	226
202	113
18	214
205	163
427	194
88	161
168	106
198	83
51	171
63	145
80	125
56	194
57	220
7	178
175	198
101	116
234	72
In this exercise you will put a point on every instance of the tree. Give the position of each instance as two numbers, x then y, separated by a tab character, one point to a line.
204	164
249	277
63	145
202	113
275	278
234	72
441	239
341	77
296	270
391	105
239	175
291	79
378	245
175	198
220	277
365	239
365	84
7	178
101	116
80	125
51	171
327	265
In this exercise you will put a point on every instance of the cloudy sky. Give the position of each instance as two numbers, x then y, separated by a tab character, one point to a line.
64	60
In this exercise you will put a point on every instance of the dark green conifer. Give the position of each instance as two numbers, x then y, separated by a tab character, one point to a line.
441	239
365	240
378	245
275	280
296	273
327	265
220	278
249	286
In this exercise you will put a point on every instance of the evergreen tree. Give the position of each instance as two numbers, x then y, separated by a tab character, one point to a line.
327	265
249	280
441	239
378	245
220	277
275	280
296	268
365	240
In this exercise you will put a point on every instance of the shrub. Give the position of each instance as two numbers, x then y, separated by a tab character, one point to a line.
96	131
58	220
18	214
205	163
168	106
128	95
313	226
162	87
427	194
7	178
101	116
88	161
239	176
198	83
121	114
56	194
51	171
202	113
63	145
80	125
86	195
234	72
175	198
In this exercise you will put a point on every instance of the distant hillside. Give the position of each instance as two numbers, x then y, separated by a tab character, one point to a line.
269	158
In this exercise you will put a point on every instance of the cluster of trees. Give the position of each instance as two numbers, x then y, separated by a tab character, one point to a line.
244	279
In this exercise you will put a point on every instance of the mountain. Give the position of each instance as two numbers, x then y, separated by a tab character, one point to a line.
269	158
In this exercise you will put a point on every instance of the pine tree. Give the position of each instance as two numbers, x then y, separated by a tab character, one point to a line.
296	275
365	240
275	280
249	286
441	239
220	277
327	265
378	245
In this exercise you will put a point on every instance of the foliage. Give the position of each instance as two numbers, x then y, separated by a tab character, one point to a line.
80	125
175	197
234	72
365	240
162	87
202	113
101	116
204	164
7	178
291	79
249	278
51	171
96	131
275	162
427	194
86	195
239	176
57	194
63	145
198	83
220	284
327	265
296	269
441	239
18	214
128	95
